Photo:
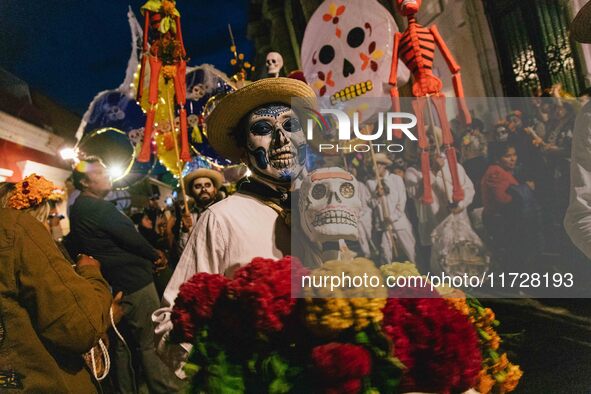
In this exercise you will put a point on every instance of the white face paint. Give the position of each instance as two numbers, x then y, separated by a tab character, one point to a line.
330	205
274	63
275	144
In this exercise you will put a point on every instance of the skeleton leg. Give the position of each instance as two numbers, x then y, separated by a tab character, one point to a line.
418	106
450	152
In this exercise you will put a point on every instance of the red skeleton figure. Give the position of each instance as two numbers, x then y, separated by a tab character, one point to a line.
416	47
166	54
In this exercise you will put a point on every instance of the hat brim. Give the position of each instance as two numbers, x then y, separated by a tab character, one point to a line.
580	28
226	116
215	177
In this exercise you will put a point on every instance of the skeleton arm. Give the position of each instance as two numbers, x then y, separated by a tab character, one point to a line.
394	75
455	68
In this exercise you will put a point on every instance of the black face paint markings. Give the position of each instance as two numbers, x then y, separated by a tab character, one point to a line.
271	110
262	127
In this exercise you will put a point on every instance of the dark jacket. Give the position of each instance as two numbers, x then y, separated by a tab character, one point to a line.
99	230
49	314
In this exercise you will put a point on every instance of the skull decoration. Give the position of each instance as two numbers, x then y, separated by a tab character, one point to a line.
274	63
197	91
136	136
275	144
330	205
347	52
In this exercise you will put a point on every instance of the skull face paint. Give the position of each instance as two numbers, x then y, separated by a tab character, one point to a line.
275	143
330	205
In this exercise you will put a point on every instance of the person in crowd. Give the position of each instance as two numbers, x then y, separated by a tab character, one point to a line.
50	314
577	220
128	262
474	151
202	185
431	215
510	213
257	125
160	239
557	151
389	199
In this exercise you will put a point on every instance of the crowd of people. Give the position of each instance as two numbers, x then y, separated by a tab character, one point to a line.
512	176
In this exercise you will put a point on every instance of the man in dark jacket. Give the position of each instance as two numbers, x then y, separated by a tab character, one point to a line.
127	262
50	314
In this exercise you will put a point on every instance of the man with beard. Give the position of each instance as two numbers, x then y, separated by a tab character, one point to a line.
255	125
203	186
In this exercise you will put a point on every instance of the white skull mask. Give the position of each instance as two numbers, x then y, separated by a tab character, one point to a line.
136	136
196	92
347	54
274	63
275	144
329	205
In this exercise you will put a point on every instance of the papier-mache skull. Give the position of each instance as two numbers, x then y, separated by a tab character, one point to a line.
329	205
347	53
274	63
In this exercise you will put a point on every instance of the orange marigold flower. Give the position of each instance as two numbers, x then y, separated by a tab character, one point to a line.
485	382
168	7
31	191
169	71
514	373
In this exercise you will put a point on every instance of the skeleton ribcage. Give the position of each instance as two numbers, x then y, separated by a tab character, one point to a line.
417	49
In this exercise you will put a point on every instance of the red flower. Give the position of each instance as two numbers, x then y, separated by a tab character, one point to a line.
341	366
263	290
437	344
195	303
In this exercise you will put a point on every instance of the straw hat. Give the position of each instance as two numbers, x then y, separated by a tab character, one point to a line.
226	116
382	158
580	28
215	177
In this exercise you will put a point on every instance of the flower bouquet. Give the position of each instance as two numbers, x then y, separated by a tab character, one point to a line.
250	335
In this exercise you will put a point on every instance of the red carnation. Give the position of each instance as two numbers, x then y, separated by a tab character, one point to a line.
341	366
195	303
437	344
263	290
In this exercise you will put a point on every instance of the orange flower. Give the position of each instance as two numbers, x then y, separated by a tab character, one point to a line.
514	373
169	71
168	7
485	382
31	191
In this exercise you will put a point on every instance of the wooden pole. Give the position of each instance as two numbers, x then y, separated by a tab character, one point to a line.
437	148
383	202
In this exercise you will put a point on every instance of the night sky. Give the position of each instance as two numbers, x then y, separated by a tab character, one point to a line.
71	50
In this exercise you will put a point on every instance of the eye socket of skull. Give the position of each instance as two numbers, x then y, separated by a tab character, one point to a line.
347	190
355	37
326	54
318	191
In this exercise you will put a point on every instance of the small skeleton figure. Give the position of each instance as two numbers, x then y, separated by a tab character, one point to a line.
274	64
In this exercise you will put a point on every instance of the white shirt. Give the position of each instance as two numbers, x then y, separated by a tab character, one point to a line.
396	199
430	215
229	234
577	221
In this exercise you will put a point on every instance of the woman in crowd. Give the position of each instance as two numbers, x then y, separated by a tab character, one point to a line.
50	314
510	210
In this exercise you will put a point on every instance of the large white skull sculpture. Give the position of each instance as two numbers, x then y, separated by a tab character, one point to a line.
274	63
329	205
347	54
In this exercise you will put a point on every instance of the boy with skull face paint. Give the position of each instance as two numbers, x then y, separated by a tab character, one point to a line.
255	125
